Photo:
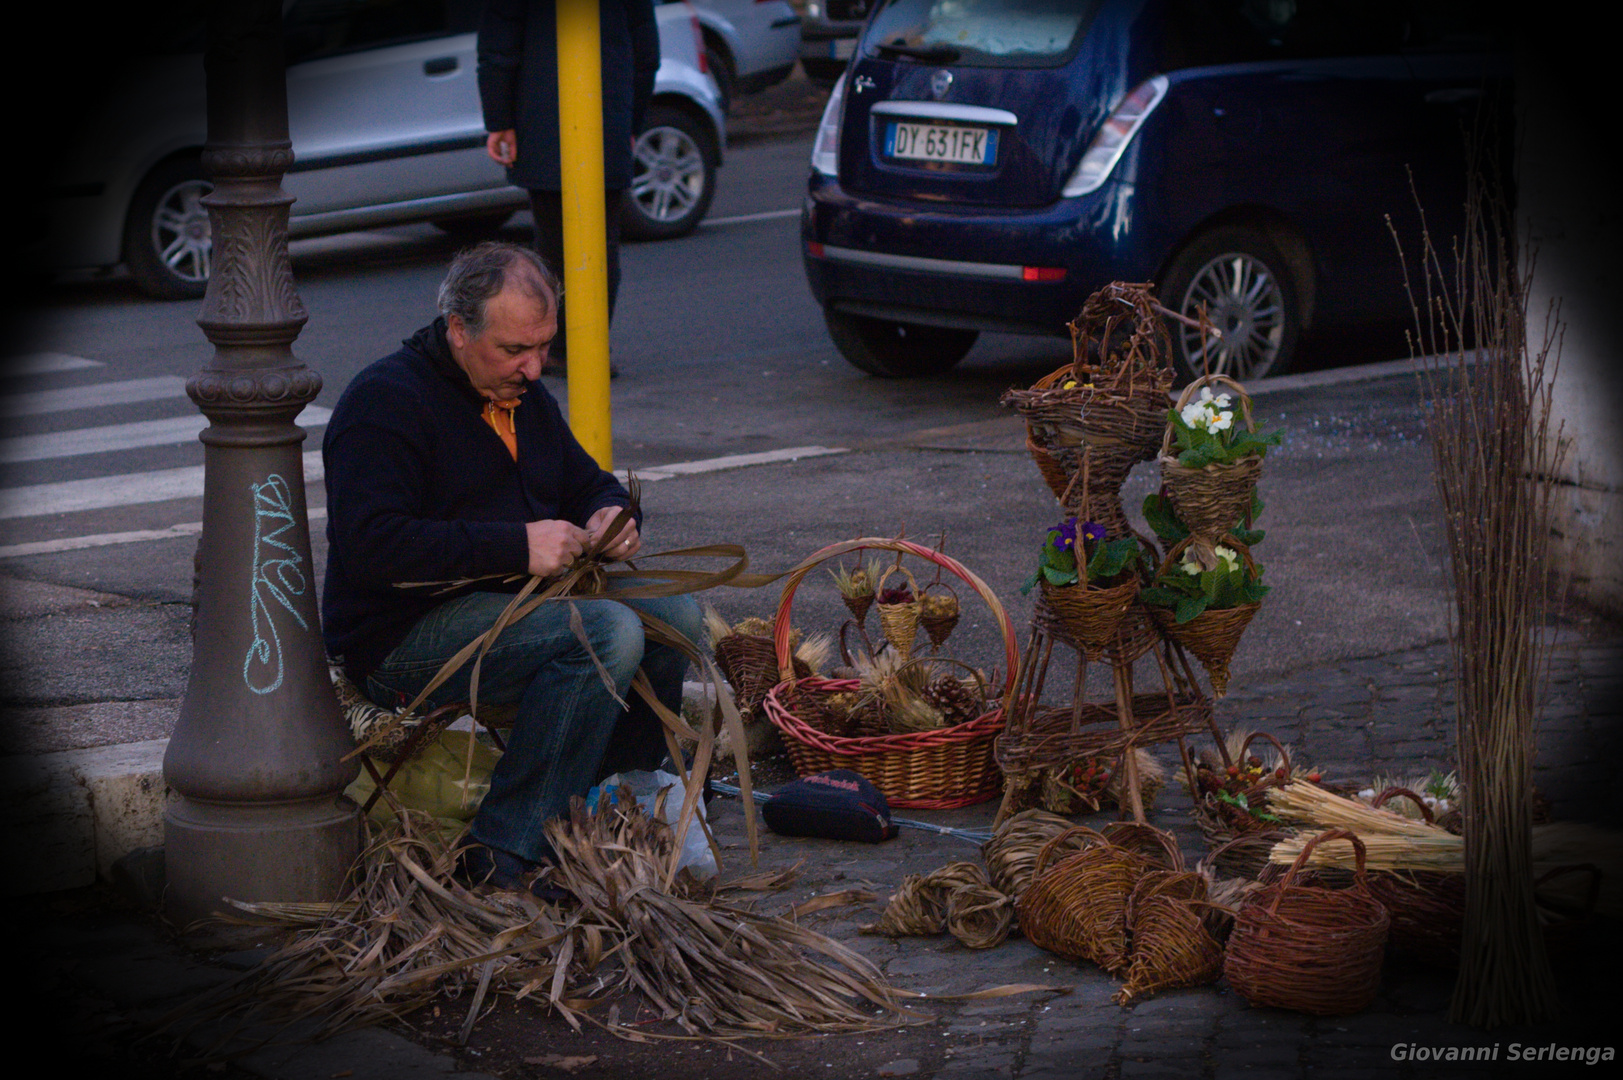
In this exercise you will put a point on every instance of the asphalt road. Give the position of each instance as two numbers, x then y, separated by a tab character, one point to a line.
723	353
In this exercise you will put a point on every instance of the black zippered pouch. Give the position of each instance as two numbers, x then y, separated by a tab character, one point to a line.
834	805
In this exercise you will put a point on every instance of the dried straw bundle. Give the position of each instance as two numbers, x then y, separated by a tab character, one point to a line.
410	932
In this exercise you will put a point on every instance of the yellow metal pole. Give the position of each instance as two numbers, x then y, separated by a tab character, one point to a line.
585	269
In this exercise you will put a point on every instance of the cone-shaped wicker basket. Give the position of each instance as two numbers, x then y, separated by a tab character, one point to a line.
1212	636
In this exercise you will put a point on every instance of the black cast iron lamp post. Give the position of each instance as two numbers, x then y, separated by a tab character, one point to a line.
256	756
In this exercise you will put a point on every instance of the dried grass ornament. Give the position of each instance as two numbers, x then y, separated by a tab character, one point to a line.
857	587
939	612
1011	853
899	611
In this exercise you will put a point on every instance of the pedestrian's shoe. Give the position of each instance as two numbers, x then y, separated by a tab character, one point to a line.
479	864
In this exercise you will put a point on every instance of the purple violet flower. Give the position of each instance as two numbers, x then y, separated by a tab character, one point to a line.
1064	535
1092	531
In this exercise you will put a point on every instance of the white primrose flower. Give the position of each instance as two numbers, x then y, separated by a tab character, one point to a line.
1221	422
1230	557
1188	564
1194	415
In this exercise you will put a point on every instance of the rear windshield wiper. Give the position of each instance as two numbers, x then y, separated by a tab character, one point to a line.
930	54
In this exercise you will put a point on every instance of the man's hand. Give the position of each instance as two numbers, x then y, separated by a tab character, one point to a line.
502	146
554	545
623	546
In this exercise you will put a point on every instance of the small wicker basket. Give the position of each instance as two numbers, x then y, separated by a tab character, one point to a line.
1310	949
1214	634
1212	499
899	622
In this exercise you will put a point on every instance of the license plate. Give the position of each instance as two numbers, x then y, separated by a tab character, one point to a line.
938	142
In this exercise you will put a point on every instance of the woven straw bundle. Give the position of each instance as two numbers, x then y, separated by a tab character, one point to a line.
1011	853
956	898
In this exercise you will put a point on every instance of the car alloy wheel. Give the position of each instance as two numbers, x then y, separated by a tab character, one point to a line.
1250	301
672	181
169	243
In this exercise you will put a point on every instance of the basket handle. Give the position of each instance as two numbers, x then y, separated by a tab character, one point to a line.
1168	843
1425	811
780	625
1193	388
1307	849
1093	838
1284	758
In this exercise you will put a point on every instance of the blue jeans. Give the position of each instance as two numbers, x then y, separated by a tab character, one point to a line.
570	731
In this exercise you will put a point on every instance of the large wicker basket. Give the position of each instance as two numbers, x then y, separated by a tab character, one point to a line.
939	769
1310	949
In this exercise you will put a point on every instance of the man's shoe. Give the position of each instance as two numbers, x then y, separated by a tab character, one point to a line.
480	864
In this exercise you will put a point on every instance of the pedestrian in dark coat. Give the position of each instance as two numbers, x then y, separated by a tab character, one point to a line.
518	87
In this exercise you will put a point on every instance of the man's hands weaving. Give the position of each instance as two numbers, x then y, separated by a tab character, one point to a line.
555	544
620	547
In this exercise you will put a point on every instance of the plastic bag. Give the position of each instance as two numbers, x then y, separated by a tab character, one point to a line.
437	781
645	788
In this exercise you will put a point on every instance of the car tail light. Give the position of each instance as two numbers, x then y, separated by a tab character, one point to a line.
698	40
825	156
1042	273
1114	135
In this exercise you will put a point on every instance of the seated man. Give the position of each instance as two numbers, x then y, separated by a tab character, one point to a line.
447	460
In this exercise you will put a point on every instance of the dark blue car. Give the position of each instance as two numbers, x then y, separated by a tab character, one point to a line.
987	164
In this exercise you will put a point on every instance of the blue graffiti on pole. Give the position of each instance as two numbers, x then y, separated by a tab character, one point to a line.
278	575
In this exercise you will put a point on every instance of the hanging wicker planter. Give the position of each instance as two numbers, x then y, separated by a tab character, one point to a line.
1212	499
1091	615
939	612
1310	949
1212	636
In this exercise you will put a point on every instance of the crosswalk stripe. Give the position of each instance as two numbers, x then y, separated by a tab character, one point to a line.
98	440
131	489
94	396
45	363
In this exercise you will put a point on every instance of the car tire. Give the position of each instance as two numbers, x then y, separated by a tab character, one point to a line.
897	350
168	242
673	177
471	227
1251	297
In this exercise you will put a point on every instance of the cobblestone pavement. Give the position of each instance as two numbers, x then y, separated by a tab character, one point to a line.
1388	713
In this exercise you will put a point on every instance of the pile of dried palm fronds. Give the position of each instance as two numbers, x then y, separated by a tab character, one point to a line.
410	932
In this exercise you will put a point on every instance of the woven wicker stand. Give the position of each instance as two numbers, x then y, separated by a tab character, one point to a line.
1087	425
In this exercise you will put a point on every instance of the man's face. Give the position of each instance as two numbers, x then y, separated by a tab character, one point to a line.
508	356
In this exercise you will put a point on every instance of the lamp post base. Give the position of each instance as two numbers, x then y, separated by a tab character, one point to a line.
299	851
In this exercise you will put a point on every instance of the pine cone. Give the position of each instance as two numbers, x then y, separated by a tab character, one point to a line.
953	697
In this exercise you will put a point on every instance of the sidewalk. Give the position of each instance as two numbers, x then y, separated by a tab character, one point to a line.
106	967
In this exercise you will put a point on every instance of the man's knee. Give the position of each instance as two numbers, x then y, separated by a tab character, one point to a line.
615	636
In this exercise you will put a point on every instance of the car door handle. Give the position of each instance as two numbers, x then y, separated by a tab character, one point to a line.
441	65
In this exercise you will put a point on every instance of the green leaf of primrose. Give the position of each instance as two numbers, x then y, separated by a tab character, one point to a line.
1189	607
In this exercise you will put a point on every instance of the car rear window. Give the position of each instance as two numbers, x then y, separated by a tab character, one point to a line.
1002	33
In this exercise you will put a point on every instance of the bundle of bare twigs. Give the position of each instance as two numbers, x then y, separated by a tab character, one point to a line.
1495	453
411	932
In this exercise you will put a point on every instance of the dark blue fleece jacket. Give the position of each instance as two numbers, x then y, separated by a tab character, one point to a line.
420	489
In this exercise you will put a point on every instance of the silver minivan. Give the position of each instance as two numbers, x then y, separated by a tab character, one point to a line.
384	115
